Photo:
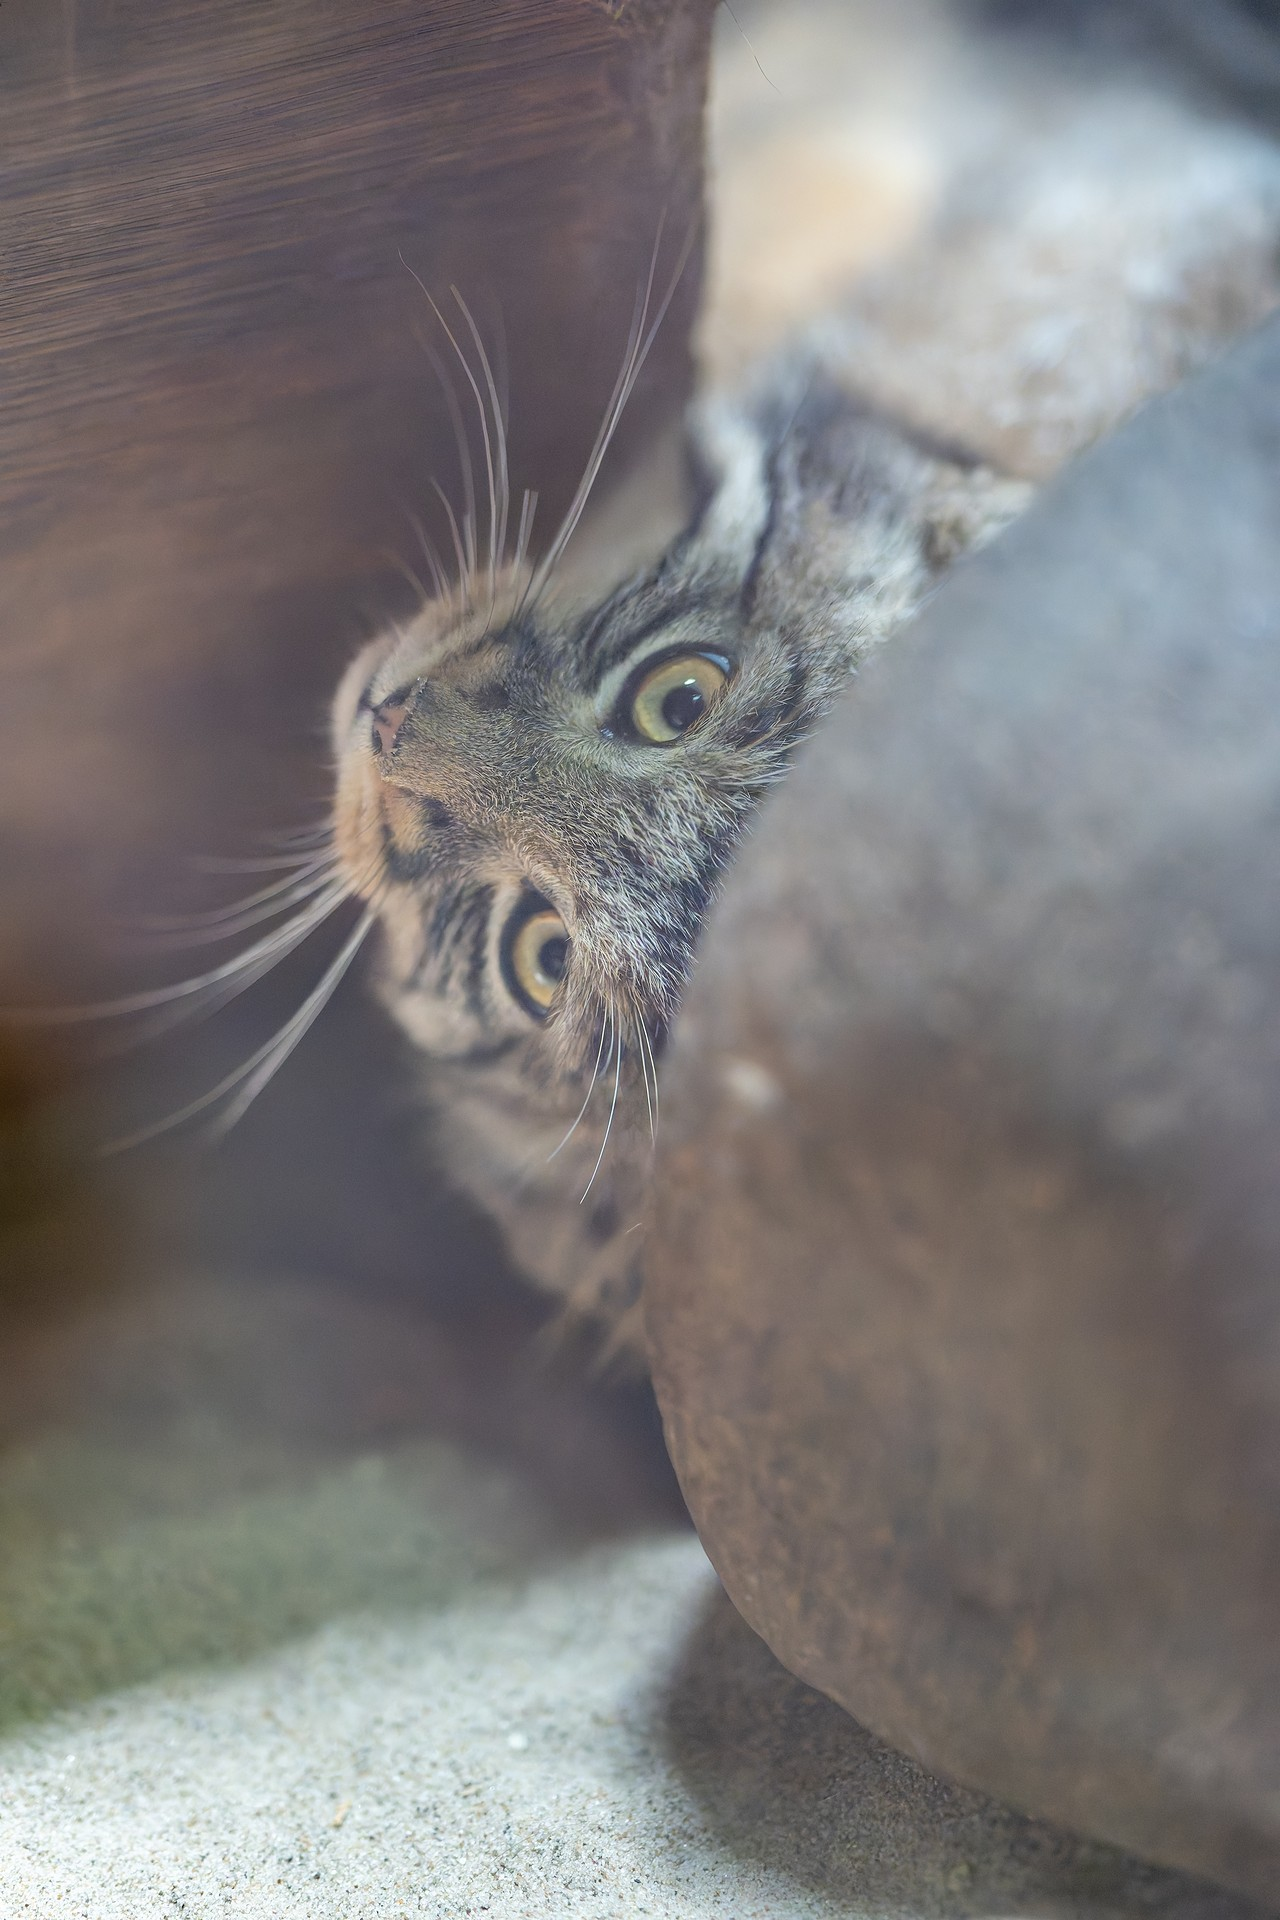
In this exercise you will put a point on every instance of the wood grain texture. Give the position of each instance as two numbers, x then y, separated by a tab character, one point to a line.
219	418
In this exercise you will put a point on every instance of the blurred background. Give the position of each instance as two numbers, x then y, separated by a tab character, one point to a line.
218	423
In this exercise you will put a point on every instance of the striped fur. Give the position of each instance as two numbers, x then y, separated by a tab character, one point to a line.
478	767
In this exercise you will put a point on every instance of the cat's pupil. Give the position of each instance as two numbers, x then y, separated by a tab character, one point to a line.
683	705
553	957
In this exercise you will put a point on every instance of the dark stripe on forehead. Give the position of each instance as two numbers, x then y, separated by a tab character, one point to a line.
751	583
611	638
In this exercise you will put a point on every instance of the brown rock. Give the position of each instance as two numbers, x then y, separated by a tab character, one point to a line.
964	1301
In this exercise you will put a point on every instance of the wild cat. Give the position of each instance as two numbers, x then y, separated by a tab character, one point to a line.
539	802
538	799
538	792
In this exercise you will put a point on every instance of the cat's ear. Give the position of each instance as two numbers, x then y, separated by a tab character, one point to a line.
967	508
728	458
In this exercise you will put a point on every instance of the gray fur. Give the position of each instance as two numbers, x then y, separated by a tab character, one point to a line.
821	526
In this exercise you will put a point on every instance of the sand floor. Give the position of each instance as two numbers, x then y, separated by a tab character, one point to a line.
279	1638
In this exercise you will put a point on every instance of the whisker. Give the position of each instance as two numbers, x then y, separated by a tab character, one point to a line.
750	49
147	1028
273	946
524	533
296	1029
466	468
465	364
645	1049
608	1125
406	572
203	930
464	574
648	1095
485	439
595	1075
502	369
639	345
498	535
542	574
431	553
255	1073
276	863
283	892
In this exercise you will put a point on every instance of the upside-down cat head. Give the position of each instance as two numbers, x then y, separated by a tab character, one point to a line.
539	803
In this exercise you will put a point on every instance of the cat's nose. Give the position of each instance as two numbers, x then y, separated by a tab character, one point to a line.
385	722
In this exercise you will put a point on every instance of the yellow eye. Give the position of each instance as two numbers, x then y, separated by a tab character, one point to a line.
536	957
666	700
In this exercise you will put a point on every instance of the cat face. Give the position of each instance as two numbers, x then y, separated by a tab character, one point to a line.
540	804
541	812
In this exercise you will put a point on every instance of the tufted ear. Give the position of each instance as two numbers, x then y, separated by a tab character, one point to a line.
728	454
968	507
816	503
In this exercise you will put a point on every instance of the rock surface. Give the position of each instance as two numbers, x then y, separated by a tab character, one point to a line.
964	1300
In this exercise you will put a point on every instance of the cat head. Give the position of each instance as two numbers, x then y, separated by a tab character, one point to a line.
539	801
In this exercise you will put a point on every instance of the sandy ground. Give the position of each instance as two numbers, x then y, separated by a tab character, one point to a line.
278	1642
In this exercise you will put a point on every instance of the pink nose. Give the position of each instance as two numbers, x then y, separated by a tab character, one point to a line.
386	723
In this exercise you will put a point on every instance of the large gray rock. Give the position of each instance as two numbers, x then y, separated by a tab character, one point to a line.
965	1295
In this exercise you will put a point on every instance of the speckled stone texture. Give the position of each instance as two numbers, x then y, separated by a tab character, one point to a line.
964	1304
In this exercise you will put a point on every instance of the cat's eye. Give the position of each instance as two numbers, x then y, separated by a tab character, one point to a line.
535	956
663	700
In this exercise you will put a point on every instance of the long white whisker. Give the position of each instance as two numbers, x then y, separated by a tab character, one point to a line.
431	553
524	533
301	836
212	999
276	863
649	1098
465	466
469	517
608	1125
406	572
591	1087
653	1065
283	892
502	370
175	937
455	412
608	425
297	1028
639	345
485	438
144	1029
274	945
498	534
274	1052
459	552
